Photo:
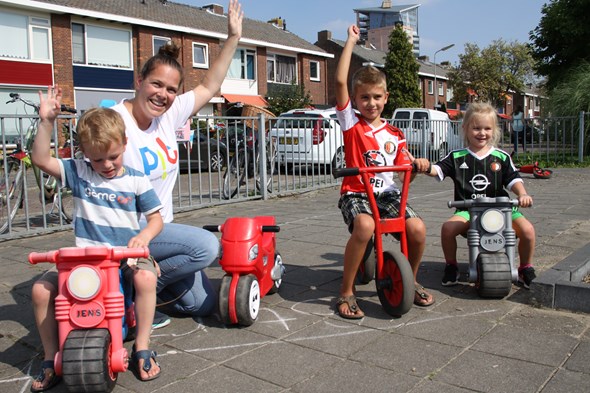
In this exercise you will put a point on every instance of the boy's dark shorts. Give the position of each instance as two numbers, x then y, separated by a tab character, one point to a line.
353	204
148	264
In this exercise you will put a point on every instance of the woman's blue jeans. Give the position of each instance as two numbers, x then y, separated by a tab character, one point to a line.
183	251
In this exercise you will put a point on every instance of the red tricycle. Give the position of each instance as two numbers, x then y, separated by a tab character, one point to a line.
91	314
253	268
393	274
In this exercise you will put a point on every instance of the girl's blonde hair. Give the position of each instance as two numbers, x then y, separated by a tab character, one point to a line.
481	109
98	128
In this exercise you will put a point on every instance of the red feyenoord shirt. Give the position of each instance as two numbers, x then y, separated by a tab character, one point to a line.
365	146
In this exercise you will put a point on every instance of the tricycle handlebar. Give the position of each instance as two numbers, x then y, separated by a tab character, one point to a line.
498	202
88	253
341	172
271	228
211	228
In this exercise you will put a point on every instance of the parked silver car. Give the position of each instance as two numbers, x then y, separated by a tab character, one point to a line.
309	137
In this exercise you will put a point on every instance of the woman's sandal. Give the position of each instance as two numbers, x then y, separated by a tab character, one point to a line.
45	375
350	302
421	297
146	355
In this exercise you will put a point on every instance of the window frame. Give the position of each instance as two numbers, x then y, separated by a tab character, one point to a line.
161	38
272	57
87	57
34	23
316	78
244	55
430	87
205	48
441	88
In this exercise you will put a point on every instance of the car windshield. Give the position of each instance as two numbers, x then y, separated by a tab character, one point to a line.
302	120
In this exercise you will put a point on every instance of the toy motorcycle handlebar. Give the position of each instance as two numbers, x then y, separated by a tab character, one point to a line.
87	253
499	202
342	172
265	228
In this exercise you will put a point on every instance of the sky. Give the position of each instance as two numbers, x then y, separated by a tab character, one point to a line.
440	22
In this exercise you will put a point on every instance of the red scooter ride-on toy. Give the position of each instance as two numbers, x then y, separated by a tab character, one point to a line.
91	314
253	268
393	274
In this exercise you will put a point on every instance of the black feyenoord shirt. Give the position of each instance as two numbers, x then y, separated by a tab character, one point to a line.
475	177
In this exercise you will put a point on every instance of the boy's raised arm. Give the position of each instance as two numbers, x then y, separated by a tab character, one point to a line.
342	95
49	109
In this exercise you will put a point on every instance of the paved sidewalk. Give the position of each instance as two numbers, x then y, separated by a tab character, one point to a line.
460	344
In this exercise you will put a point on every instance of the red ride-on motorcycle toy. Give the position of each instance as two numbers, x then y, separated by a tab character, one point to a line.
393	274
91	315
253	268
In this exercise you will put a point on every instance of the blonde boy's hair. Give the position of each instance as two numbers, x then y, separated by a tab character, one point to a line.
99	128
477	109
368	75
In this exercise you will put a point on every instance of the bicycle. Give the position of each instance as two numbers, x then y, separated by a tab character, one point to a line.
14	167
245	163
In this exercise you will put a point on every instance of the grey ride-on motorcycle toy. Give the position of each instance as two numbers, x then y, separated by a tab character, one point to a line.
492	243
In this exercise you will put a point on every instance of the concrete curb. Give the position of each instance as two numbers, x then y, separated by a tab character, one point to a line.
561	287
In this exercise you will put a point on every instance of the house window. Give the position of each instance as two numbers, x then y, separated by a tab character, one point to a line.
158	42
314	71
101	46
430	87
29	37
243	65
440	88
200	55
282	69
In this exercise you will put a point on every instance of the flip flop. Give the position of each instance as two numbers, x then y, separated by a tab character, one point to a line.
421	297
146	355
52	378
350	301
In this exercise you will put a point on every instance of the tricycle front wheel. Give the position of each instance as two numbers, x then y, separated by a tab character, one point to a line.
494	278
279	268
395	284
247	300
86	361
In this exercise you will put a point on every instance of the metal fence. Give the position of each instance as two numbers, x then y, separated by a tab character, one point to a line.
233	159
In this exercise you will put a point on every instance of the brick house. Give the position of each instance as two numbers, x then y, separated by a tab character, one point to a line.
94	50
362	55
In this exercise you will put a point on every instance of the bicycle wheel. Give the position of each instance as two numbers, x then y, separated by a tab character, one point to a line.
11	191
271	156
234	175
65	201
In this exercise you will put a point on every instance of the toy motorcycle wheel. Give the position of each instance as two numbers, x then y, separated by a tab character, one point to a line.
494	279
366	271
247	300
395	284
224	300
278	266
86	361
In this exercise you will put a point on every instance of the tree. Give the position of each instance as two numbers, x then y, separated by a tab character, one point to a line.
401	69
285	98
561	40
492	72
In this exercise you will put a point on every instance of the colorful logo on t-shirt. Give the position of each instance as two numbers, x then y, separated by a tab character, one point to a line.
495	166
390	147
152	159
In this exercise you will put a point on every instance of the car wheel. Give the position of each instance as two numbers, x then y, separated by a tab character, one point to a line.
216	162
338	159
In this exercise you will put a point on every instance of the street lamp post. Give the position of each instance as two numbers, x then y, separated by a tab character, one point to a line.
436	105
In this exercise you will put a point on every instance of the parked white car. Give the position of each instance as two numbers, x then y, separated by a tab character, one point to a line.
308	137
429	133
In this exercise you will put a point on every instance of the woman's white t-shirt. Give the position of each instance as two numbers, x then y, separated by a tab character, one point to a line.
154	151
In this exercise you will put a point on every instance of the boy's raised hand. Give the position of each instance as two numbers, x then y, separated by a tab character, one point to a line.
354	33
50	105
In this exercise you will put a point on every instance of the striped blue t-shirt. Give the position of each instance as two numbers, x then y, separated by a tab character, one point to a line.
107	211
